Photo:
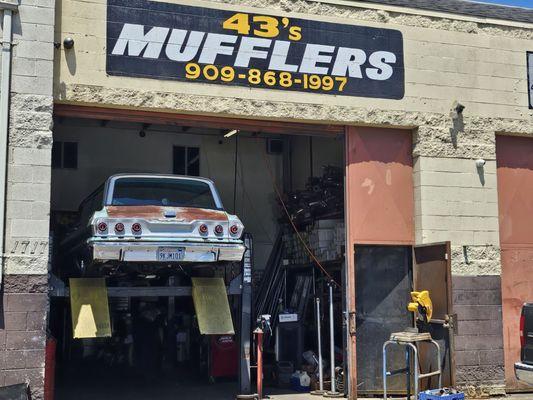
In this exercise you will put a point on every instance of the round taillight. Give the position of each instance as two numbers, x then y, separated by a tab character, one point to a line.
219	230
136	227
102	227
234	229
119	227
203	229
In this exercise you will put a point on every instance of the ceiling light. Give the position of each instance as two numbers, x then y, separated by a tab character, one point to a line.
231	133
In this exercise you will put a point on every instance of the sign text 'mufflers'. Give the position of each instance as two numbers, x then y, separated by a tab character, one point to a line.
170	41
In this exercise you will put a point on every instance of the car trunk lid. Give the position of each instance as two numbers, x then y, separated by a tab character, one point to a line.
159	213
171	222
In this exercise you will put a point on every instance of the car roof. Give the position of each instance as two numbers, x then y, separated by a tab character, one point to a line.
159	176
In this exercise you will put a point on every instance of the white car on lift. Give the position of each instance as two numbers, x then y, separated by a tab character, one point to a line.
150	218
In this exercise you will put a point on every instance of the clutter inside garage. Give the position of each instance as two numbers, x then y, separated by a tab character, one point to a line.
288	191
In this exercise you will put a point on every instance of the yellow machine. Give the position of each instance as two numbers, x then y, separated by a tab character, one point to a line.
421	306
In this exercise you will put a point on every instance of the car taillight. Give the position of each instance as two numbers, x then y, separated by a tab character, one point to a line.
219	230
522	333
234	229
102	227
119	227
203	229
136	227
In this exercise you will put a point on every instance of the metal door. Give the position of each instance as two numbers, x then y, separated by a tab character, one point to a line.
432	272
383	285
514	156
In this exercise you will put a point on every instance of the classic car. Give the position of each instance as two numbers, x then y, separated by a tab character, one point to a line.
149	218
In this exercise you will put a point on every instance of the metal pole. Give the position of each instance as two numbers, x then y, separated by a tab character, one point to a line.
332	339
5	92
320	391
246	317
384	370
259	337
333	392
319	332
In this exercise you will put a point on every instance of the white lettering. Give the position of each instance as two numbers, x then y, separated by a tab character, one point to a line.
278	59
349	61
247	50
381	60
133	38
312	56
213	47
175	50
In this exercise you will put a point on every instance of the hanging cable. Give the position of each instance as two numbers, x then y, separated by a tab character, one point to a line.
300	238
235	175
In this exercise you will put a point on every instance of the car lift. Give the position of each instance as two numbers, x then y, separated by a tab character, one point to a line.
240	285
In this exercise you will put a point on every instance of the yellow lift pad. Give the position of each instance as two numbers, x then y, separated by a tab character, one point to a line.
89	308
212	306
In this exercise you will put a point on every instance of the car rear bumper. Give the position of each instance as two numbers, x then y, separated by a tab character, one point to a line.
148	251
524	372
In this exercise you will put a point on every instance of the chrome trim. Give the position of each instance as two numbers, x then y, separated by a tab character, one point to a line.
524	372
146	251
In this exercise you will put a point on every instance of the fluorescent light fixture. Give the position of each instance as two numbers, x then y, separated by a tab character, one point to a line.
231	133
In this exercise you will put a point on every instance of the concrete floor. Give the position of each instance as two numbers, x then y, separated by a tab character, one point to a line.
85	384
306	396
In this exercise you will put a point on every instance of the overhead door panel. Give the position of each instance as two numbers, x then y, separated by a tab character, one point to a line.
380	186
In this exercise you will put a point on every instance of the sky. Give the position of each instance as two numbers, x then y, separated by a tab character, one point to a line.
519	3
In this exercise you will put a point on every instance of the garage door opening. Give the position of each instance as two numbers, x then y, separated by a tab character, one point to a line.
261	174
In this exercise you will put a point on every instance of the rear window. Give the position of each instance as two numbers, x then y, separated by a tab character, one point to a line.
162	192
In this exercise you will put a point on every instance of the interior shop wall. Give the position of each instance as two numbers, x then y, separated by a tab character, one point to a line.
119	148
310	154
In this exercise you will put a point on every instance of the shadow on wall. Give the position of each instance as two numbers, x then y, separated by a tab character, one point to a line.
458	126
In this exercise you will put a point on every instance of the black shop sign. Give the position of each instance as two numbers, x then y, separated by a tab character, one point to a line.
152	39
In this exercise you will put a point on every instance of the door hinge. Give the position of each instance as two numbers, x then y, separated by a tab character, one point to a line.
352	326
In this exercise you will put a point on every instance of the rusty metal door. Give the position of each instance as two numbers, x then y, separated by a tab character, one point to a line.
383	285
432	272
514	156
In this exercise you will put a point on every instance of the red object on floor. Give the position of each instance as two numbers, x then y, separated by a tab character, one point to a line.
224	357
50	368
259	339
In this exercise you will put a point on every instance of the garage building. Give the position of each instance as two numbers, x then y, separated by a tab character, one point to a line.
425	108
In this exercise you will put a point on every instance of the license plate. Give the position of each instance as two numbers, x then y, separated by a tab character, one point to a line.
170	253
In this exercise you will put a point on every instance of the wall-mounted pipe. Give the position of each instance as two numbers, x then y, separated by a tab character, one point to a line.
8	7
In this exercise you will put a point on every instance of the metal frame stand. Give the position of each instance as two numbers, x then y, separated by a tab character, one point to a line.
321	390
333	392
246	317
409	346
